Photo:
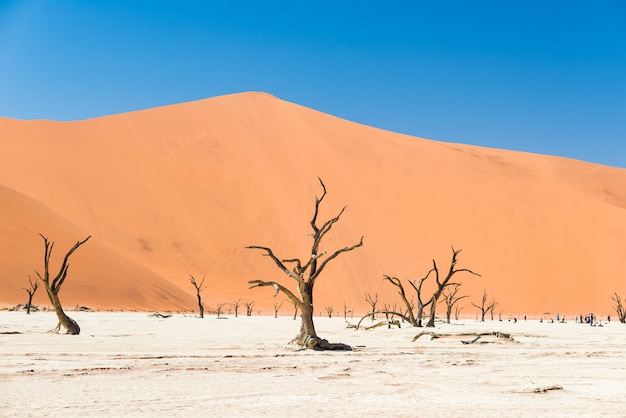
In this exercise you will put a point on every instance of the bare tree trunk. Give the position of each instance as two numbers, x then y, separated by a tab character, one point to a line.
249	306
277	308
236	304
295	310
305	274
64	321
441	285
451	299
619	308
409	308
54	286
372	302
32	288
484	308
457	312
198	287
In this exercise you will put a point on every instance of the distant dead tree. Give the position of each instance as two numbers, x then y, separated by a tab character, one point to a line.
249	306
442	284
329	311
346	311
32	288
451	299
54	286
619	308
390	310
236	305
413	318
372	301
486	307
220	307
492	307
305	274
416	318
277	307
198	287
295	310
457	312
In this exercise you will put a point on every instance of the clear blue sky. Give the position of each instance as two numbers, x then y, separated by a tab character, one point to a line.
539	76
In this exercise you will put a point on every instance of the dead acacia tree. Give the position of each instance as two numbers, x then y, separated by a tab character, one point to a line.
329	311
346	311
249	306
236	305
442	284
619	308
295	310
53	286
219	307
277	307
372	301
451	299
32	288
305	274
457	312
492	307
413	318
198	287
485	307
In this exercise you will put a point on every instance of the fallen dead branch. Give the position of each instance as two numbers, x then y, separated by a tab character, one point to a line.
160	315
544	389
477	336
372	314
389	323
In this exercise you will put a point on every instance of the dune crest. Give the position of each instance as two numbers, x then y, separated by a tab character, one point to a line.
182	189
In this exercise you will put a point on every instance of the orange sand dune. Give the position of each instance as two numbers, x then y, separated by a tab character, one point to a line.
182	189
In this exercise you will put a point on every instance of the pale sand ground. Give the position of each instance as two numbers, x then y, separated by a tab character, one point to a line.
129	364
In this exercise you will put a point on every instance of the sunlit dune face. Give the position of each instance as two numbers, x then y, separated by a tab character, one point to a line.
183	189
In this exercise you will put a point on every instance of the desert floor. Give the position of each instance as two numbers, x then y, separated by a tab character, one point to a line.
131	364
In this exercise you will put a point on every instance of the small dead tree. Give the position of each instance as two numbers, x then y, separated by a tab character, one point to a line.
491	306
442	284
236	305
457	312
619	308
53	286
484	306
329	311
249	306
32	288
416	318
277	307
305	274
220	307
346	311
390	310
451	298
295	310
412	318
198	287
372	301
